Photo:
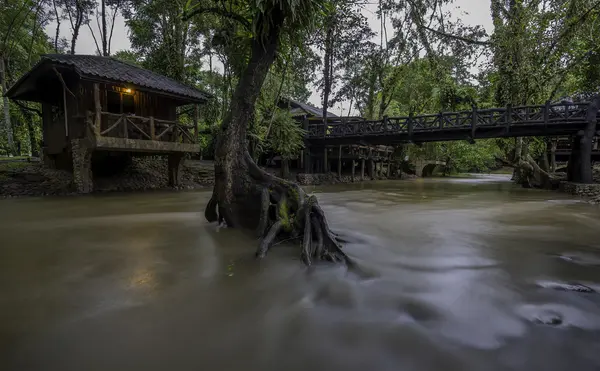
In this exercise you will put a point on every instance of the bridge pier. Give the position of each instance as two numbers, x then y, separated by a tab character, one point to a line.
579	169
362	169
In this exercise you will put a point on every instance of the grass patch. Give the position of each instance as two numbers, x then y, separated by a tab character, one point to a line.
6	166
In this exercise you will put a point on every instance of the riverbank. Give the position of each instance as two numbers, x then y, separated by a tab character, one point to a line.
22	178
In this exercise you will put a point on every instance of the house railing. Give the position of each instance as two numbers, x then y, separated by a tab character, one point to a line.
130	126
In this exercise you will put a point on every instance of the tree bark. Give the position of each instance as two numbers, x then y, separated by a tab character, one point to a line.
57	32
104	35
327	67
7	123
246	196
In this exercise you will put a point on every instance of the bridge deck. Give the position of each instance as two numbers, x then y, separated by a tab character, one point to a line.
542	120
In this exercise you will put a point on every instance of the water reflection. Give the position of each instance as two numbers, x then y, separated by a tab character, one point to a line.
461	274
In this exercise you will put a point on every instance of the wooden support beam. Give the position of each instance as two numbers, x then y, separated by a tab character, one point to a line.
65	111
353	170
196	118
325	161
362	169
97	110
340	161
474	120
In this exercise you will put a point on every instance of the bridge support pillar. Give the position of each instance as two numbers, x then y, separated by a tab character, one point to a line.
371	169
579	169
339	169
362	169
307	162
353	170
419	165
553	145
82	165
175	161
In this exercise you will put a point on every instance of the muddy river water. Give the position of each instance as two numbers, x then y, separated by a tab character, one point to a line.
462	274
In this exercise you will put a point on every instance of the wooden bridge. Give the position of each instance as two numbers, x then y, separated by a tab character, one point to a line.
575	120
562	119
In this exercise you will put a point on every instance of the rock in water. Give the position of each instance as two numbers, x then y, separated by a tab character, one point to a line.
577	287
548	317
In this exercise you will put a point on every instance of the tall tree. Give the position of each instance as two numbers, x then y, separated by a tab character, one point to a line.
344	34
243	192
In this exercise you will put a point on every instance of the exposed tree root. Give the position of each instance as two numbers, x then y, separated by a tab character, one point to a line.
531	175
286	212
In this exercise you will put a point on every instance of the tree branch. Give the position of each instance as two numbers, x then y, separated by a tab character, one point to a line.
222	13
456	37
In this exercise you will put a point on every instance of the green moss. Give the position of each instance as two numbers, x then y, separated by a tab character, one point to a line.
284	215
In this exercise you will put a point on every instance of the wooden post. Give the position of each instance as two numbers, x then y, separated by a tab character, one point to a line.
97	110
65	111
362	169
385	123
553	145
441	120
474	119
325	161
574	165
388	168
175	133
353	170
306	151
340	162
196	116
547	114
152	128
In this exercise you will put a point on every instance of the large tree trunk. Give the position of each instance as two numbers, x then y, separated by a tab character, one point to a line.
246	196
7	124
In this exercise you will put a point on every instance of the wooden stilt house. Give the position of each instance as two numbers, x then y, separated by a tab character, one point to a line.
94	103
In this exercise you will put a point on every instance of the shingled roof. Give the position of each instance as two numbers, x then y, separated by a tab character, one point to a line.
300	109
107	68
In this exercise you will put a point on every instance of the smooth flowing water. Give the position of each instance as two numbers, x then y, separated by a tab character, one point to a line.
462	274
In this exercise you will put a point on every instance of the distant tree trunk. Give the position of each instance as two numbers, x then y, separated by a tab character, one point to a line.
76	22
57	33
327	66
104	34
7	124
246	196
370	109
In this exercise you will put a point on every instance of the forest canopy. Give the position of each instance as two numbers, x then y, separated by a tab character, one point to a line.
420	58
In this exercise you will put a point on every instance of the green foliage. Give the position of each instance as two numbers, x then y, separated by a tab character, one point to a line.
286	137
460	156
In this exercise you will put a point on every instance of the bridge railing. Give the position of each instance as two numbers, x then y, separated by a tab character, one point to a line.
548	114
